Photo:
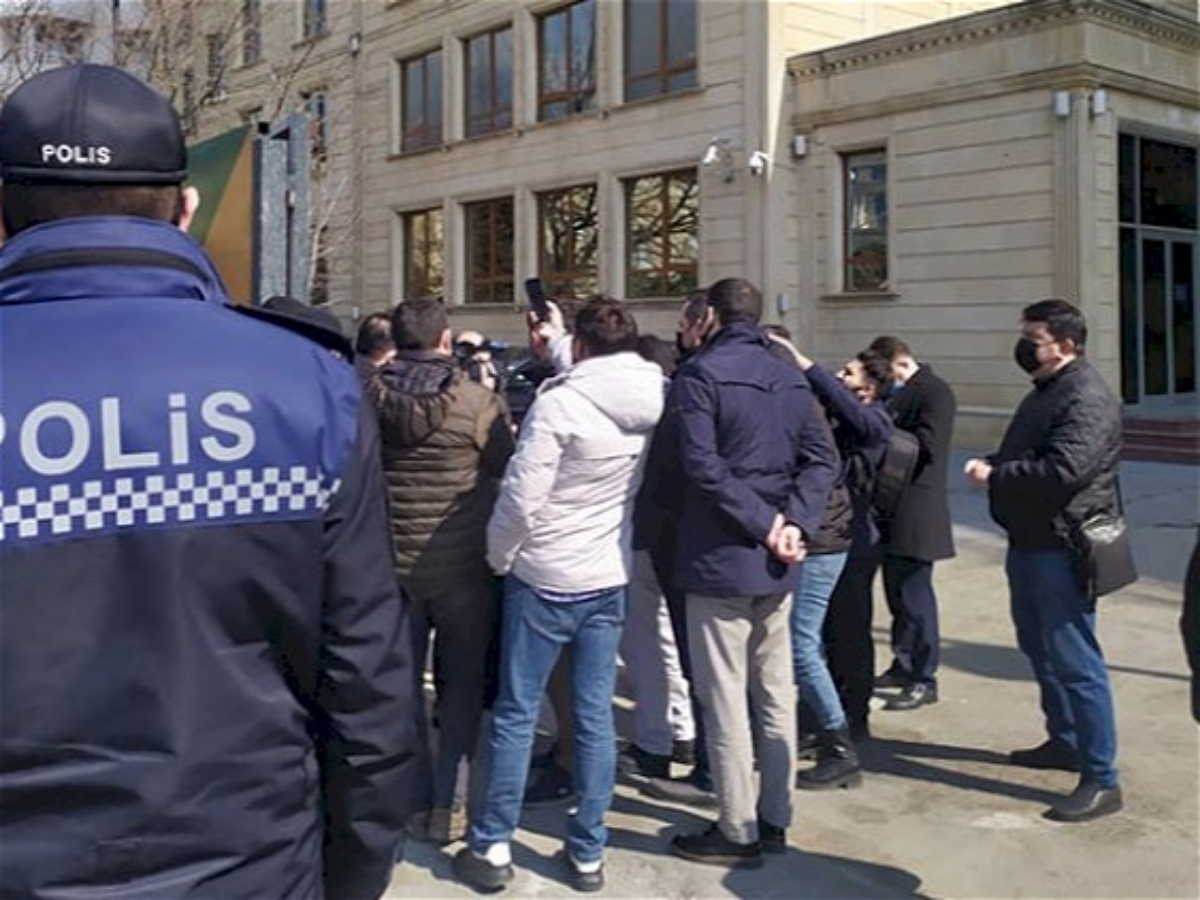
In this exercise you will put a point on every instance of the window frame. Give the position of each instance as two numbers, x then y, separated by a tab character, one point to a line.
562	283
665	70
432	139
664	234
216	63
572	93
252	34
496	277
407	220
493	113
314	19
877	155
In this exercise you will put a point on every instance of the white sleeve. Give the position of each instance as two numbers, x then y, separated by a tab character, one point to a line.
527	483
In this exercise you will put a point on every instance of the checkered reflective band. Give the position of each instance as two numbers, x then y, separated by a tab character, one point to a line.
65	510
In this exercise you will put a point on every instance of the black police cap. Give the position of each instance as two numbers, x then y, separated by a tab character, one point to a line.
90	124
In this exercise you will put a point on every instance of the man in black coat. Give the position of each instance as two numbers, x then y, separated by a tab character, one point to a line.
918	533
1057	467
1189	624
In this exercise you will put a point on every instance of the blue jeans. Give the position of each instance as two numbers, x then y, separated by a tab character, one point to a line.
818	576
535	632
1056	628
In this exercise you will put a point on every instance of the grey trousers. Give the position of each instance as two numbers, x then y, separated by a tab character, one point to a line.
741	656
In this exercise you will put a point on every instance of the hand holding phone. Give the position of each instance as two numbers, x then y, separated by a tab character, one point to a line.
538	304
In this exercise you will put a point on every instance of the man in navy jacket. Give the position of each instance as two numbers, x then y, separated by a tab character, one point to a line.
758	466
206	686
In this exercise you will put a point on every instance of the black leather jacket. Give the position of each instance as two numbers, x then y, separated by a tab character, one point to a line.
1058	462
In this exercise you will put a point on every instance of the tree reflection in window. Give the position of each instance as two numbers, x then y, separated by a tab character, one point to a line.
663	234
865	242
424	254
568	239
567	61
490	251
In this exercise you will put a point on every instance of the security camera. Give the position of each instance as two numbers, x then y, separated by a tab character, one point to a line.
712	154
757	164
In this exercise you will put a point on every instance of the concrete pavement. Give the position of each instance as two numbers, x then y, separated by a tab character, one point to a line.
941	814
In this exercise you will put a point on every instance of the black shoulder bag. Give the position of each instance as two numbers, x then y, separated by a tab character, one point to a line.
1102	542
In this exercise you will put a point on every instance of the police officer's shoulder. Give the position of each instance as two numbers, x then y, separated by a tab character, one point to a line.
317	325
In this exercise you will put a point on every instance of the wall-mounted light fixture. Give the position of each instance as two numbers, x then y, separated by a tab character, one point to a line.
1062	104
717	159
758	163
1099	102
800	146
354	43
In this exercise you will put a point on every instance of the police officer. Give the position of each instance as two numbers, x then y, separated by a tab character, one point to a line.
205	687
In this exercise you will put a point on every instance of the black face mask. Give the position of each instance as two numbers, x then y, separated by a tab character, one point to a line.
1025	353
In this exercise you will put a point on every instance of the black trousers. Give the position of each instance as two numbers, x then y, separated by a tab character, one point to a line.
908	584
662	556
848	644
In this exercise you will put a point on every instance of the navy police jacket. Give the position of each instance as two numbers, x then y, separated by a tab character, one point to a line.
752	445
205	682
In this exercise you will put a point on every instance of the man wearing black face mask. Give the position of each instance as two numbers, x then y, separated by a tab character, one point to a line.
1056	467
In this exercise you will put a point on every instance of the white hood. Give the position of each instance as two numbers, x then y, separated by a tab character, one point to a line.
625	387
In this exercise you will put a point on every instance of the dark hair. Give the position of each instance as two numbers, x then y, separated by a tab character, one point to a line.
695	306
419	324
656	350
877	370
26	205
604	326
374	335
1063	320
778	330
735	300
889	347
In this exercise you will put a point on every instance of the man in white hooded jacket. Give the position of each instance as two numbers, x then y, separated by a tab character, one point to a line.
561	533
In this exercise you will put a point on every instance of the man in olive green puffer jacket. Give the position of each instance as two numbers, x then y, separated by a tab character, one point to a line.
446	440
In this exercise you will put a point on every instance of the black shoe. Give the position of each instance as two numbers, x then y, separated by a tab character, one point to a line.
807	746
1088	801
683	752
860	732
772	838
1049	755
914	696
549	787
584	882
892	678
476	872
633	760
714	848
837	764
691	790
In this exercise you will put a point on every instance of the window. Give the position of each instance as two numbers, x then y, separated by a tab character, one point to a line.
662	242
568	237
188	93
424	254
489	82
660	47
421	103
318	124
251	32
215	44
865	242
567	61
314	18
489	251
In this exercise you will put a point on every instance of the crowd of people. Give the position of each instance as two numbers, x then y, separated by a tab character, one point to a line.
229	552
